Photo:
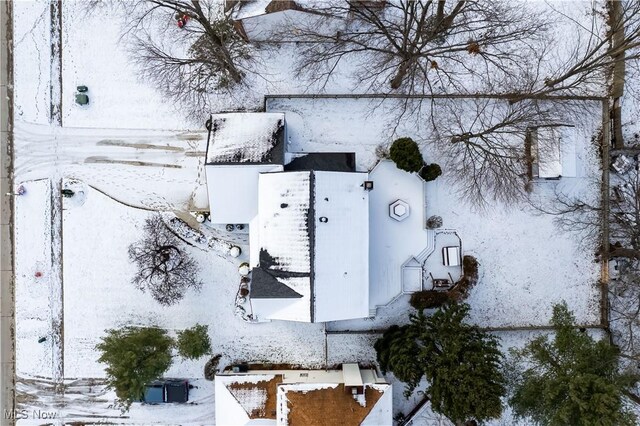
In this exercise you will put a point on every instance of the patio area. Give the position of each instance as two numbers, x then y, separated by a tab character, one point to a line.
443	268
400	244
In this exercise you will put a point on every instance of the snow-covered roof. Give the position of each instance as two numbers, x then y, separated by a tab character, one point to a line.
341	246
313	237
351	375
311	397
316	404
284	214
262	20
283	279
233	191
552	141
246	138
247	9
289	309
245	399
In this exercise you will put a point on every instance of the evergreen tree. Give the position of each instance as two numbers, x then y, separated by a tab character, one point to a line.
462	365
406	154
134	357
571	380
397	352
194	342
460	362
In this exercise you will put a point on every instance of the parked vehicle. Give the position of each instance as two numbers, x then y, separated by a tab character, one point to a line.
166	390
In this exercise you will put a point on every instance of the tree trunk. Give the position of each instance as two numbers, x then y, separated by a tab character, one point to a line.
396	81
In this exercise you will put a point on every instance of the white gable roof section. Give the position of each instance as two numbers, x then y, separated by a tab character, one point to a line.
284	208
243	137
341	246
233	191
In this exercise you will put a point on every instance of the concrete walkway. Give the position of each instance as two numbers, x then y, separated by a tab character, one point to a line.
7	322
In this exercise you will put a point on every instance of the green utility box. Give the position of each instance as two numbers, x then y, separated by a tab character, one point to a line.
82	99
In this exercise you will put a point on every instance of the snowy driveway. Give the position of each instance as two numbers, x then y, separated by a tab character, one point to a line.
123	163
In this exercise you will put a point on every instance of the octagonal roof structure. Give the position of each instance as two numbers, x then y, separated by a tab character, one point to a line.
399	210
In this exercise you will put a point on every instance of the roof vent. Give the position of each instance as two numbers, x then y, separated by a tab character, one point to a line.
324	219
368	185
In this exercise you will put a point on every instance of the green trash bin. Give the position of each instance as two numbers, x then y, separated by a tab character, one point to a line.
82	99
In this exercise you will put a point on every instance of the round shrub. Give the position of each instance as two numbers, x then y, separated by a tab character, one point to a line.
434	222
194	342
430	172
406	154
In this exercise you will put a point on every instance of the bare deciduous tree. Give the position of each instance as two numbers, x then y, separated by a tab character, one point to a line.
624	308
189	64
612	39
574	213
418	47
163	267
482	142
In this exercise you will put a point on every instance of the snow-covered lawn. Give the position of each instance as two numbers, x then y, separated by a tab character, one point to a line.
32	60
526	263
117	97
33	280
97	286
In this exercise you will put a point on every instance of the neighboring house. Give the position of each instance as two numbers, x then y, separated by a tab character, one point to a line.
308	219
352	396
281	20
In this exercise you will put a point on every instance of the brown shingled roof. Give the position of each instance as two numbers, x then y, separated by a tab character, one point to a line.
270	388
329	407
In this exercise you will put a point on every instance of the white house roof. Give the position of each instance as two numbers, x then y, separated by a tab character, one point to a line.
313	232
556	152
246	138
341	246
290	308
284	204
351	375
233	191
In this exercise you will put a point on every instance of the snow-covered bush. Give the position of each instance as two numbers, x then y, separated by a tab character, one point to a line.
469	278
211	367
434	222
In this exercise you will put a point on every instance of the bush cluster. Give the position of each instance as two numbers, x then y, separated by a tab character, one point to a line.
461	290
429	299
